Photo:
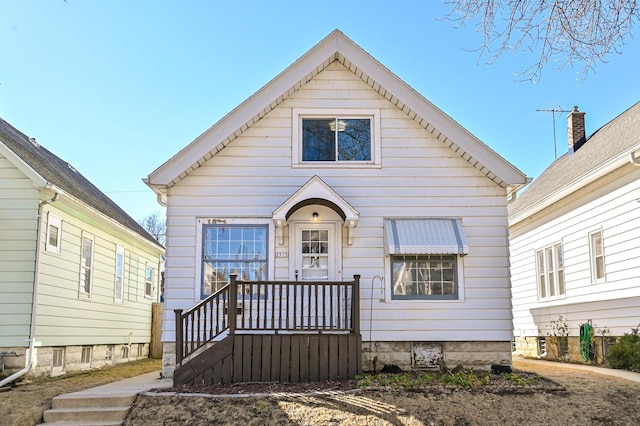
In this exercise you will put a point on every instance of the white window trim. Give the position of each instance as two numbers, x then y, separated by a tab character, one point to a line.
235	221
151	280
556	283
420	303
296	148
116	299
592	258
57	222
84	294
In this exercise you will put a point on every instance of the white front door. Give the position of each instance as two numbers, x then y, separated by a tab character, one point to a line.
317	251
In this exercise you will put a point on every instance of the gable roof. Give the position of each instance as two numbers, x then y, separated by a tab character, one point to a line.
335	47
606	149
46	169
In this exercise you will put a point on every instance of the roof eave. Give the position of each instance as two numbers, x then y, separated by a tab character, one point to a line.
38	180
81	205
407	99
605	168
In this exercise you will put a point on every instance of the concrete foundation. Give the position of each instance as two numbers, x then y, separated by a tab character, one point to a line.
71	358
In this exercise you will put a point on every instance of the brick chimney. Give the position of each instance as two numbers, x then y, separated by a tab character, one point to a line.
576	131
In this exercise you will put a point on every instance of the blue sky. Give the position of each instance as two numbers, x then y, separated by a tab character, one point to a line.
118	87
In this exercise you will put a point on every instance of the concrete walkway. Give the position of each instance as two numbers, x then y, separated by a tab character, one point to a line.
130	386
623	374
103	405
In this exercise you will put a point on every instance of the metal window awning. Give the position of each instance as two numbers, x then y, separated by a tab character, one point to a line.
425	236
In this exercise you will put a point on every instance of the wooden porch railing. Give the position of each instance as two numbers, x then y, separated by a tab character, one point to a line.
269	307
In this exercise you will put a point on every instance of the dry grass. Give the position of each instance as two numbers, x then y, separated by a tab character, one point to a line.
585	398
25	403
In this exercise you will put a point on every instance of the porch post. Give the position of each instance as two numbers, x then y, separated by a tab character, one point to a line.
232	312
178	313
355	305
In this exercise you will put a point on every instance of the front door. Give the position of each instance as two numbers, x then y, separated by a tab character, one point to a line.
317	251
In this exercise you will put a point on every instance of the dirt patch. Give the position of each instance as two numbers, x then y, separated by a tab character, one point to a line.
559	396
25	403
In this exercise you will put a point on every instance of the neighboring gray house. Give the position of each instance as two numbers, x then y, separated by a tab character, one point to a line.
338	168
78	275
575	244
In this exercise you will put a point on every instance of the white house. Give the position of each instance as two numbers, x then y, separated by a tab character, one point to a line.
338	168
78	276
575	250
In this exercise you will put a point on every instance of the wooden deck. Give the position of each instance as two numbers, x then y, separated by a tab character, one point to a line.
287	331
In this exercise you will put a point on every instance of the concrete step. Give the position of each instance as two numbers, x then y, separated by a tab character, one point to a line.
88	401
62	423
86	415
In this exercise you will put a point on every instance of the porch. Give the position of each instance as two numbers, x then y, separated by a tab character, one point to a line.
286	331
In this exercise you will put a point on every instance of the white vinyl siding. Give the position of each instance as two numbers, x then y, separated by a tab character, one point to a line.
418	176
102	321
609	207
18	222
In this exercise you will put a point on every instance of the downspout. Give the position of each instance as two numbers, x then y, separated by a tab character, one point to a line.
34	300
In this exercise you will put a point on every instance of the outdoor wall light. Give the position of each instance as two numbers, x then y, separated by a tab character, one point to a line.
315	216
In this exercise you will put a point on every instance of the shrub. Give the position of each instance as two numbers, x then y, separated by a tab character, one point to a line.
625	353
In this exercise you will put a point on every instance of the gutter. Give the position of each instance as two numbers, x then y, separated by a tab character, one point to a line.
34	300
633	159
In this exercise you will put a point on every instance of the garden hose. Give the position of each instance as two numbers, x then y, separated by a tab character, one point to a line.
585	342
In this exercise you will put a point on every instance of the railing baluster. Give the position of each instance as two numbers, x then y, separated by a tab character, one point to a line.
312	306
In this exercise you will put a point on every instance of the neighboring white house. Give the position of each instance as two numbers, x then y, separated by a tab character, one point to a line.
335	168
575	244
78	276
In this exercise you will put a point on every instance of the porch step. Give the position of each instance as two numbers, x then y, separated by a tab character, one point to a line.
106	405
90	415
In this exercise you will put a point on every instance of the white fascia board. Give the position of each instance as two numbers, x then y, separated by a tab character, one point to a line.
436	117
336	42
244	112
575	185
85	208
35	177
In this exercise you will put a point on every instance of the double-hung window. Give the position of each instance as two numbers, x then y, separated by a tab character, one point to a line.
149	277
86	267
119	275
550	272
425	257
596	250
336	137
233	249
54	233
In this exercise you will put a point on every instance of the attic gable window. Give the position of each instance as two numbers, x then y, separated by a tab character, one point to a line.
336	138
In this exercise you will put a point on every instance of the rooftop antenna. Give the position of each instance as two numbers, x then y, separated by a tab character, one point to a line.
553	115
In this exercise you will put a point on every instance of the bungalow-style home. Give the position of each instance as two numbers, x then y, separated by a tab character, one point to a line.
575	251
335	221
78	276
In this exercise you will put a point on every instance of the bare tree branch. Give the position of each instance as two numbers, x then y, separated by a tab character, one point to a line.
566	32
155	225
